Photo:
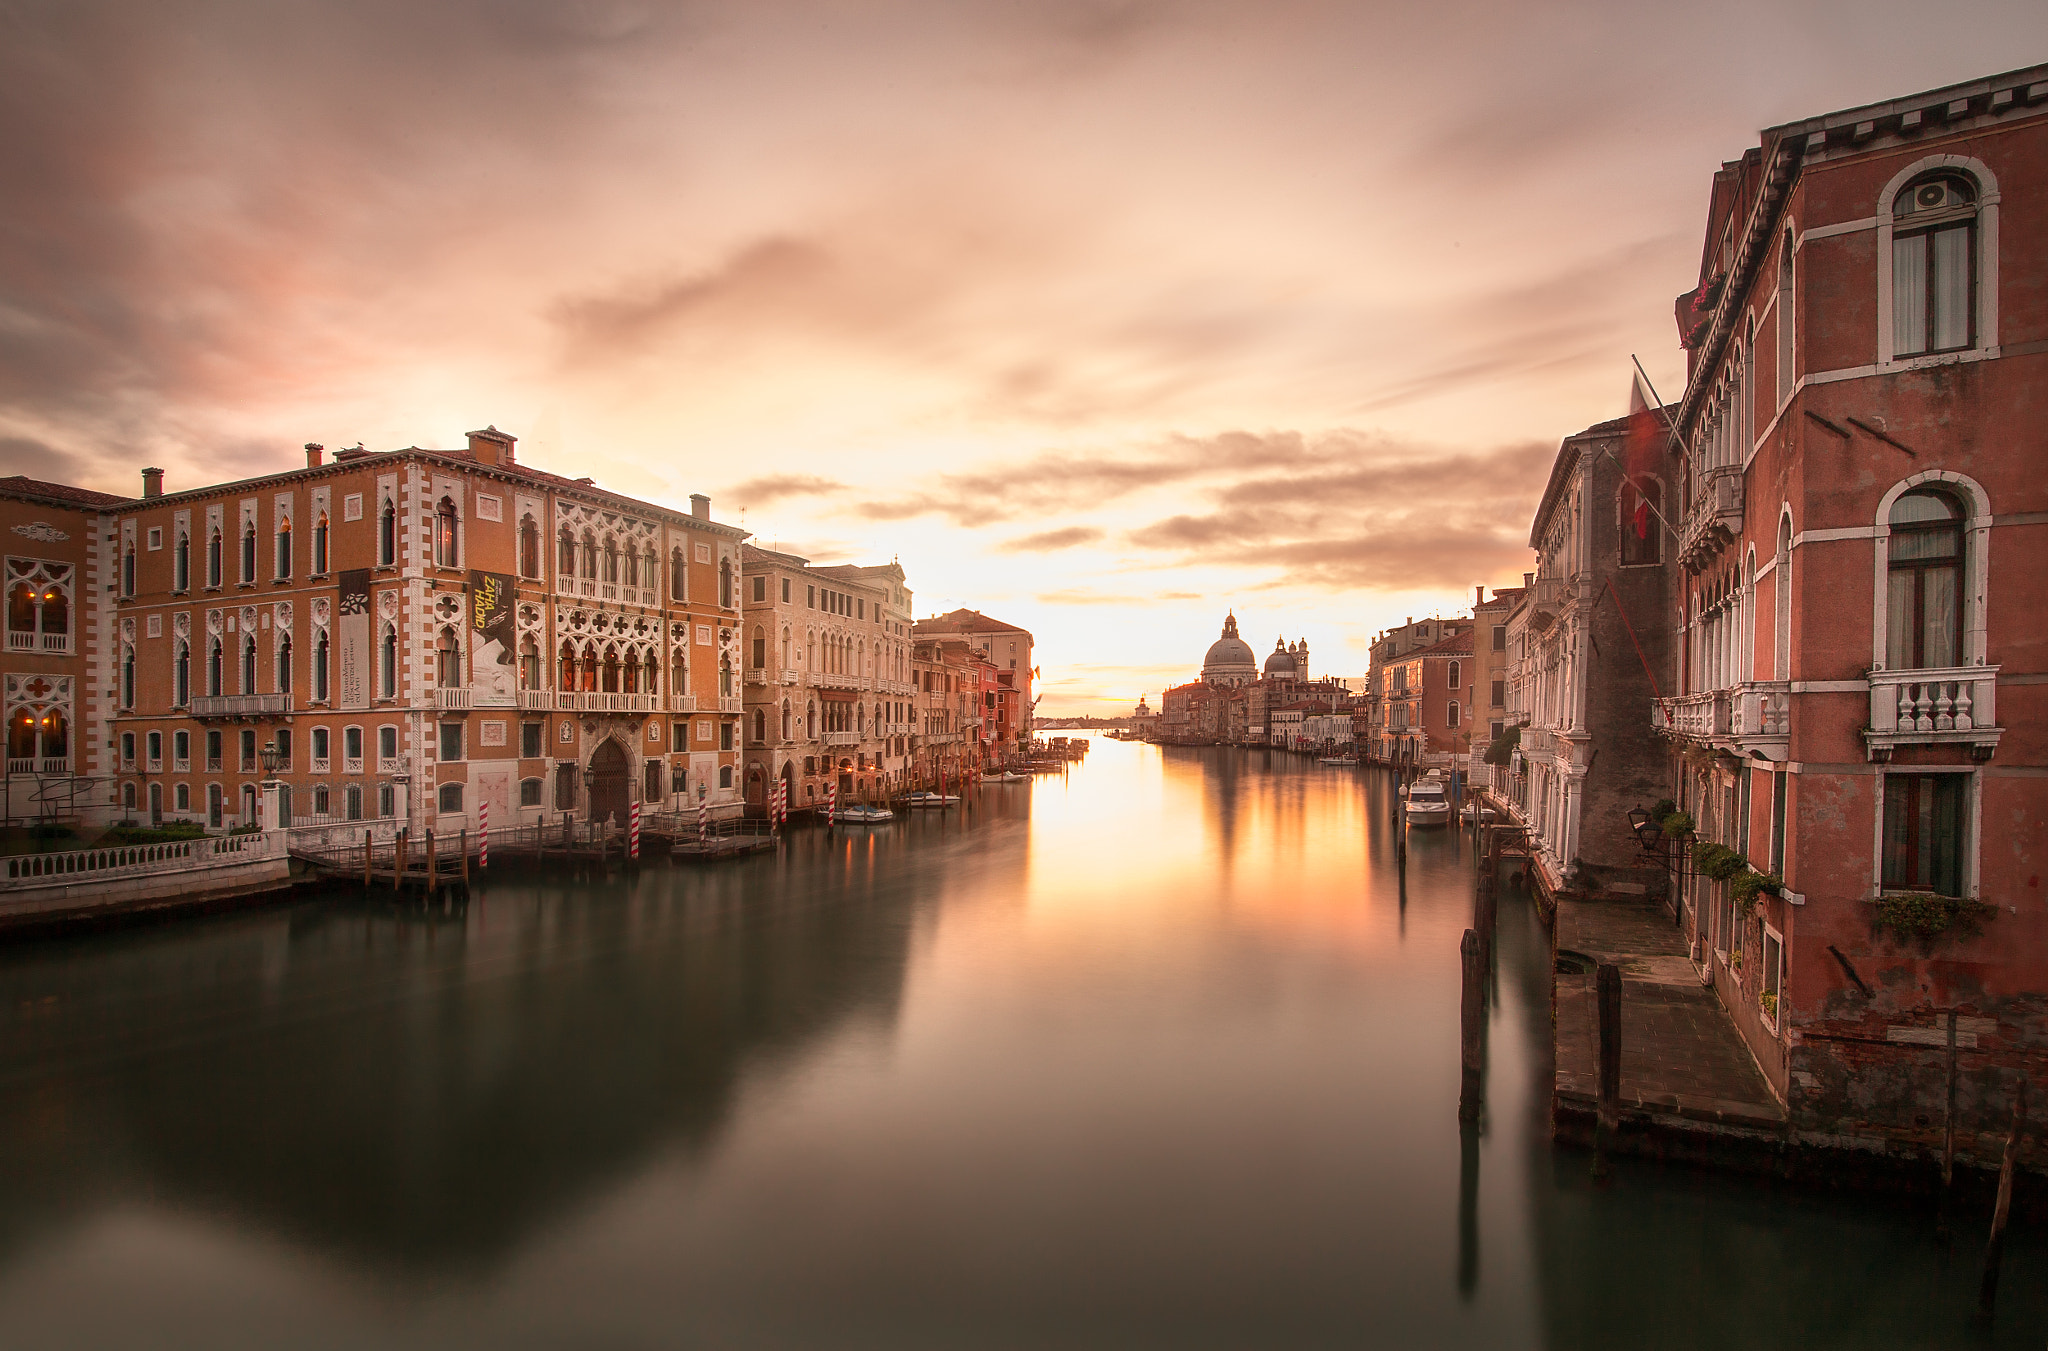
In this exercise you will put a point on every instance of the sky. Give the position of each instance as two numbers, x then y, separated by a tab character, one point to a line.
1103	316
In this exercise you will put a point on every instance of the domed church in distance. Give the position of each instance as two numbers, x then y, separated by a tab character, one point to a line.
1230	661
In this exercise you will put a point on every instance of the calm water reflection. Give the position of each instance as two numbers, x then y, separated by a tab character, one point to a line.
1162	1053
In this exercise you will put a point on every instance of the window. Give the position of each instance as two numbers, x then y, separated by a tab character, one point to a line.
213	750
725	776
611	560
785	591
155	743
387	743
758	647
446	539
215	806
529	547
387	800
1457	672
387	672
213	572
451	797
181	674
249	552
284	666
726	737
529	664
811	597
1934	247
678	575
1641	540
1780	786
181	749
387	537
448	660
320	545
183	798
1923	614
352	800
1781	590
565	787
532	740
1498	696
248	749
451	741
760	727
352	745
1452	713
651	779
284	550
1785	305
181	563
1924	832
249	665
529	792
565	555
320	746
320	653
725	583
128	675
282	739
128	749
589	556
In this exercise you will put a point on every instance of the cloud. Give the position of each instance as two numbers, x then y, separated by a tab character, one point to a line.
769	489
1046	541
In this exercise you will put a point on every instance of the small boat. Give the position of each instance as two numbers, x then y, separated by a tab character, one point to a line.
1427	805
1008	776
861	814
1477	811
1336	759
927	798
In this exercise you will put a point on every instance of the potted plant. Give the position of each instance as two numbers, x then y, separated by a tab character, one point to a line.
1750	884
1924	916
1677	825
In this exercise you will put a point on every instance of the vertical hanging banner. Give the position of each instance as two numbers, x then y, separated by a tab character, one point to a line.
352	629
493	673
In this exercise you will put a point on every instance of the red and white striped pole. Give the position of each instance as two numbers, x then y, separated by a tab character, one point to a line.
703	819
483	833
633	836
831	803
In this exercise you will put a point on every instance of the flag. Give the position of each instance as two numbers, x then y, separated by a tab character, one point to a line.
1642	453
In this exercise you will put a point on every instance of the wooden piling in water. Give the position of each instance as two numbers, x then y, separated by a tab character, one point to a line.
465	858
433	862
366	860
1607	997
398	857
1987	1293
1471	1030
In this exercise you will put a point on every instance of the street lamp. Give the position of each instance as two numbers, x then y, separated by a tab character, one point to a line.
272	757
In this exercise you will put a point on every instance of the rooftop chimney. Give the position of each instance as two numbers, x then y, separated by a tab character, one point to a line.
1528	580
313	449
152	483
491	446
1479	595
700	506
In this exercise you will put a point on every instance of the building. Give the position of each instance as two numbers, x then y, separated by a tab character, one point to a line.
1488	703
415	634
1424	701
1008	704
828	678
60	666
1590	651
1862	526
1229	661
1379	739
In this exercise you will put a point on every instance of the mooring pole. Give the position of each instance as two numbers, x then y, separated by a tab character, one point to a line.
465	857
1987	1294
1472	1030
1607	994
398	856
433	863
366	860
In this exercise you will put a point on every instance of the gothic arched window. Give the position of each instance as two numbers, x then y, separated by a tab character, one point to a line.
181	674
448	659
320	545
249	666
387	536
388	667
284	666
529	547
320	653
215	675
447	550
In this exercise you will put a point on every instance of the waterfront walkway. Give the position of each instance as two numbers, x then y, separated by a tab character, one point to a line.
1683	1067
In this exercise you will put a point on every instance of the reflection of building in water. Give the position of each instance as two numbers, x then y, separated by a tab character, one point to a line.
1234	700
417	1096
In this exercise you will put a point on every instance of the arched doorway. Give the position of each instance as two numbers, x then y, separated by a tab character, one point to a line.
608	775
757	792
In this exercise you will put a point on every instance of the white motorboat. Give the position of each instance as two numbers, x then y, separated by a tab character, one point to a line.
1007	777
1427	805
927	798
862	814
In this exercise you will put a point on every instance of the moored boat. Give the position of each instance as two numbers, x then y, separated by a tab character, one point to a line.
927	798
1427	805
862	814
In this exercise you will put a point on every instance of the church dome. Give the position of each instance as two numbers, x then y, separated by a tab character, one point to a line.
1282	660
1230	658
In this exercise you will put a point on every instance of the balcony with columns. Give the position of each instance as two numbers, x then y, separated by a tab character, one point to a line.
1947	705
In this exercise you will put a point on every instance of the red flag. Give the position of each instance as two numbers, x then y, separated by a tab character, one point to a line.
1643	453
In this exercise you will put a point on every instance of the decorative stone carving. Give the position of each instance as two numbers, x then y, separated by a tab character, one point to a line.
42	531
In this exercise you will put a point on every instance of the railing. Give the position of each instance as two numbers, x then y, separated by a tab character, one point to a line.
1545	593
539	701
1762	709
1945	704
1701	716
240	705
728	703
789	675
682	703
834	680
757	675
446	697
606	701
842	738
34	642
387	765
135	858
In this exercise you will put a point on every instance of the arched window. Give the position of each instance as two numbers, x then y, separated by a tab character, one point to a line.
215	801
215	675
760	727
629	674
811	718
1642	538
213	557
320	654
529	547
284	666
529	664
388	672
1457	671
566	676
128	570
284	549
1934	249
725	690
181	562
249	665
448	659
650	569
128	675
320	545
632	562
678	581
725	583
1787	302
587	669
128	796
56	735
611	670
611	560
1781	604
21	735
785	719
181	674
387	535
1923	598
565	555
758	649
249	552
650	672
447	553
589	556
1452	711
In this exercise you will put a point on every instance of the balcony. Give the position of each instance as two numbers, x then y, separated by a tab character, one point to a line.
38	764
842	738
1546	600
682	703
1761	712
38	642
789	675
241	705
606	701
1714	517
728	703
1957	704
757	675
1702	716
450	699
834	680
388	765
538	701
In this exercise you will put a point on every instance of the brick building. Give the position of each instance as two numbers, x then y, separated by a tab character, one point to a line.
1862	528
418	632
1422	699
1007	703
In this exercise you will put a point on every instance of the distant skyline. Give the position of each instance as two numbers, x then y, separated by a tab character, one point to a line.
1103	316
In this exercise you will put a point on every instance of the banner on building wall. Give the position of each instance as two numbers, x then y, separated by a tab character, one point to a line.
493	655
353	632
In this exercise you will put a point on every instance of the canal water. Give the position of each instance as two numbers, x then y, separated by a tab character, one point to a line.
1162	1052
